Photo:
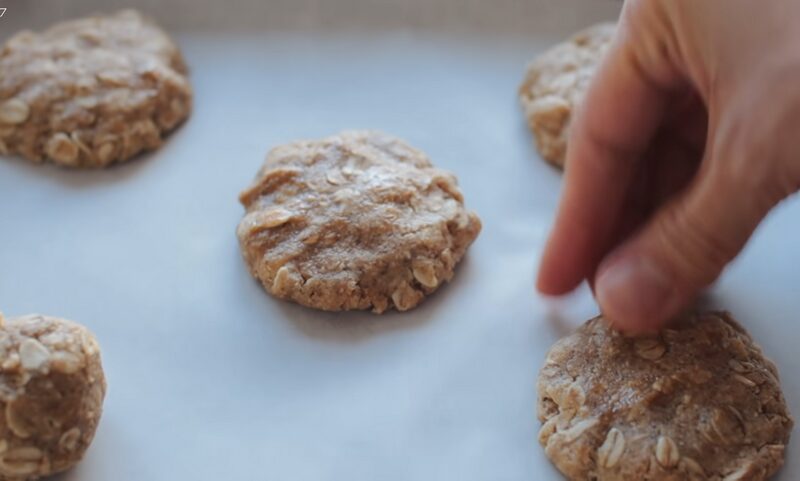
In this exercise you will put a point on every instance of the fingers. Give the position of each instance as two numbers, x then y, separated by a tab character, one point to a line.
668	167
684	246
612	129
682	249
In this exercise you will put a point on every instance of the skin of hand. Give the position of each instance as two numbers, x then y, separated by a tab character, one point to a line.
688	136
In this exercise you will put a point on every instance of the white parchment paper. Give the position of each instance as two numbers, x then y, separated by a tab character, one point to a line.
211	379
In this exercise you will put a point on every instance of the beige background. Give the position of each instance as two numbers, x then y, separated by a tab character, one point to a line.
509	16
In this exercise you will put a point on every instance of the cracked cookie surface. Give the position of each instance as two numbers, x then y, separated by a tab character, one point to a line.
51	395
91	92
359	220
554	85
697	402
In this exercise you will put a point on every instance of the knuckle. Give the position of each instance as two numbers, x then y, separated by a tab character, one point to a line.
634	10
691	248
752	151
648	32
747	163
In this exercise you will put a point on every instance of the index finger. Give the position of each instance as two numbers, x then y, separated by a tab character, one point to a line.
610	132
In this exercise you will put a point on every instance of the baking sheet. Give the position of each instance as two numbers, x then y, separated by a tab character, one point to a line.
209	378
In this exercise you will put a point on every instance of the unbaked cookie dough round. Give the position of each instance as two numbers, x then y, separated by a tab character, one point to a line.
91	92
696	402
359	220
51	395
554	85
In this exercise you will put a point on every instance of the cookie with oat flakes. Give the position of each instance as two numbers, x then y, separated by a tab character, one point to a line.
554	85
51	395
697	402
91	92
359	220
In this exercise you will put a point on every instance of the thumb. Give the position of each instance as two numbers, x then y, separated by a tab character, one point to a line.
683	247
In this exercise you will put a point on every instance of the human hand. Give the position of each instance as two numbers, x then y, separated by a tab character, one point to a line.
683	144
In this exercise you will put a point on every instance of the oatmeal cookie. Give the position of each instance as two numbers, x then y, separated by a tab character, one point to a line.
51	393
360	220
556	82
91	92
695	402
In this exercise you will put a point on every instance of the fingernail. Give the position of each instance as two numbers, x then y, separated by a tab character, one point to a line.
635	294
